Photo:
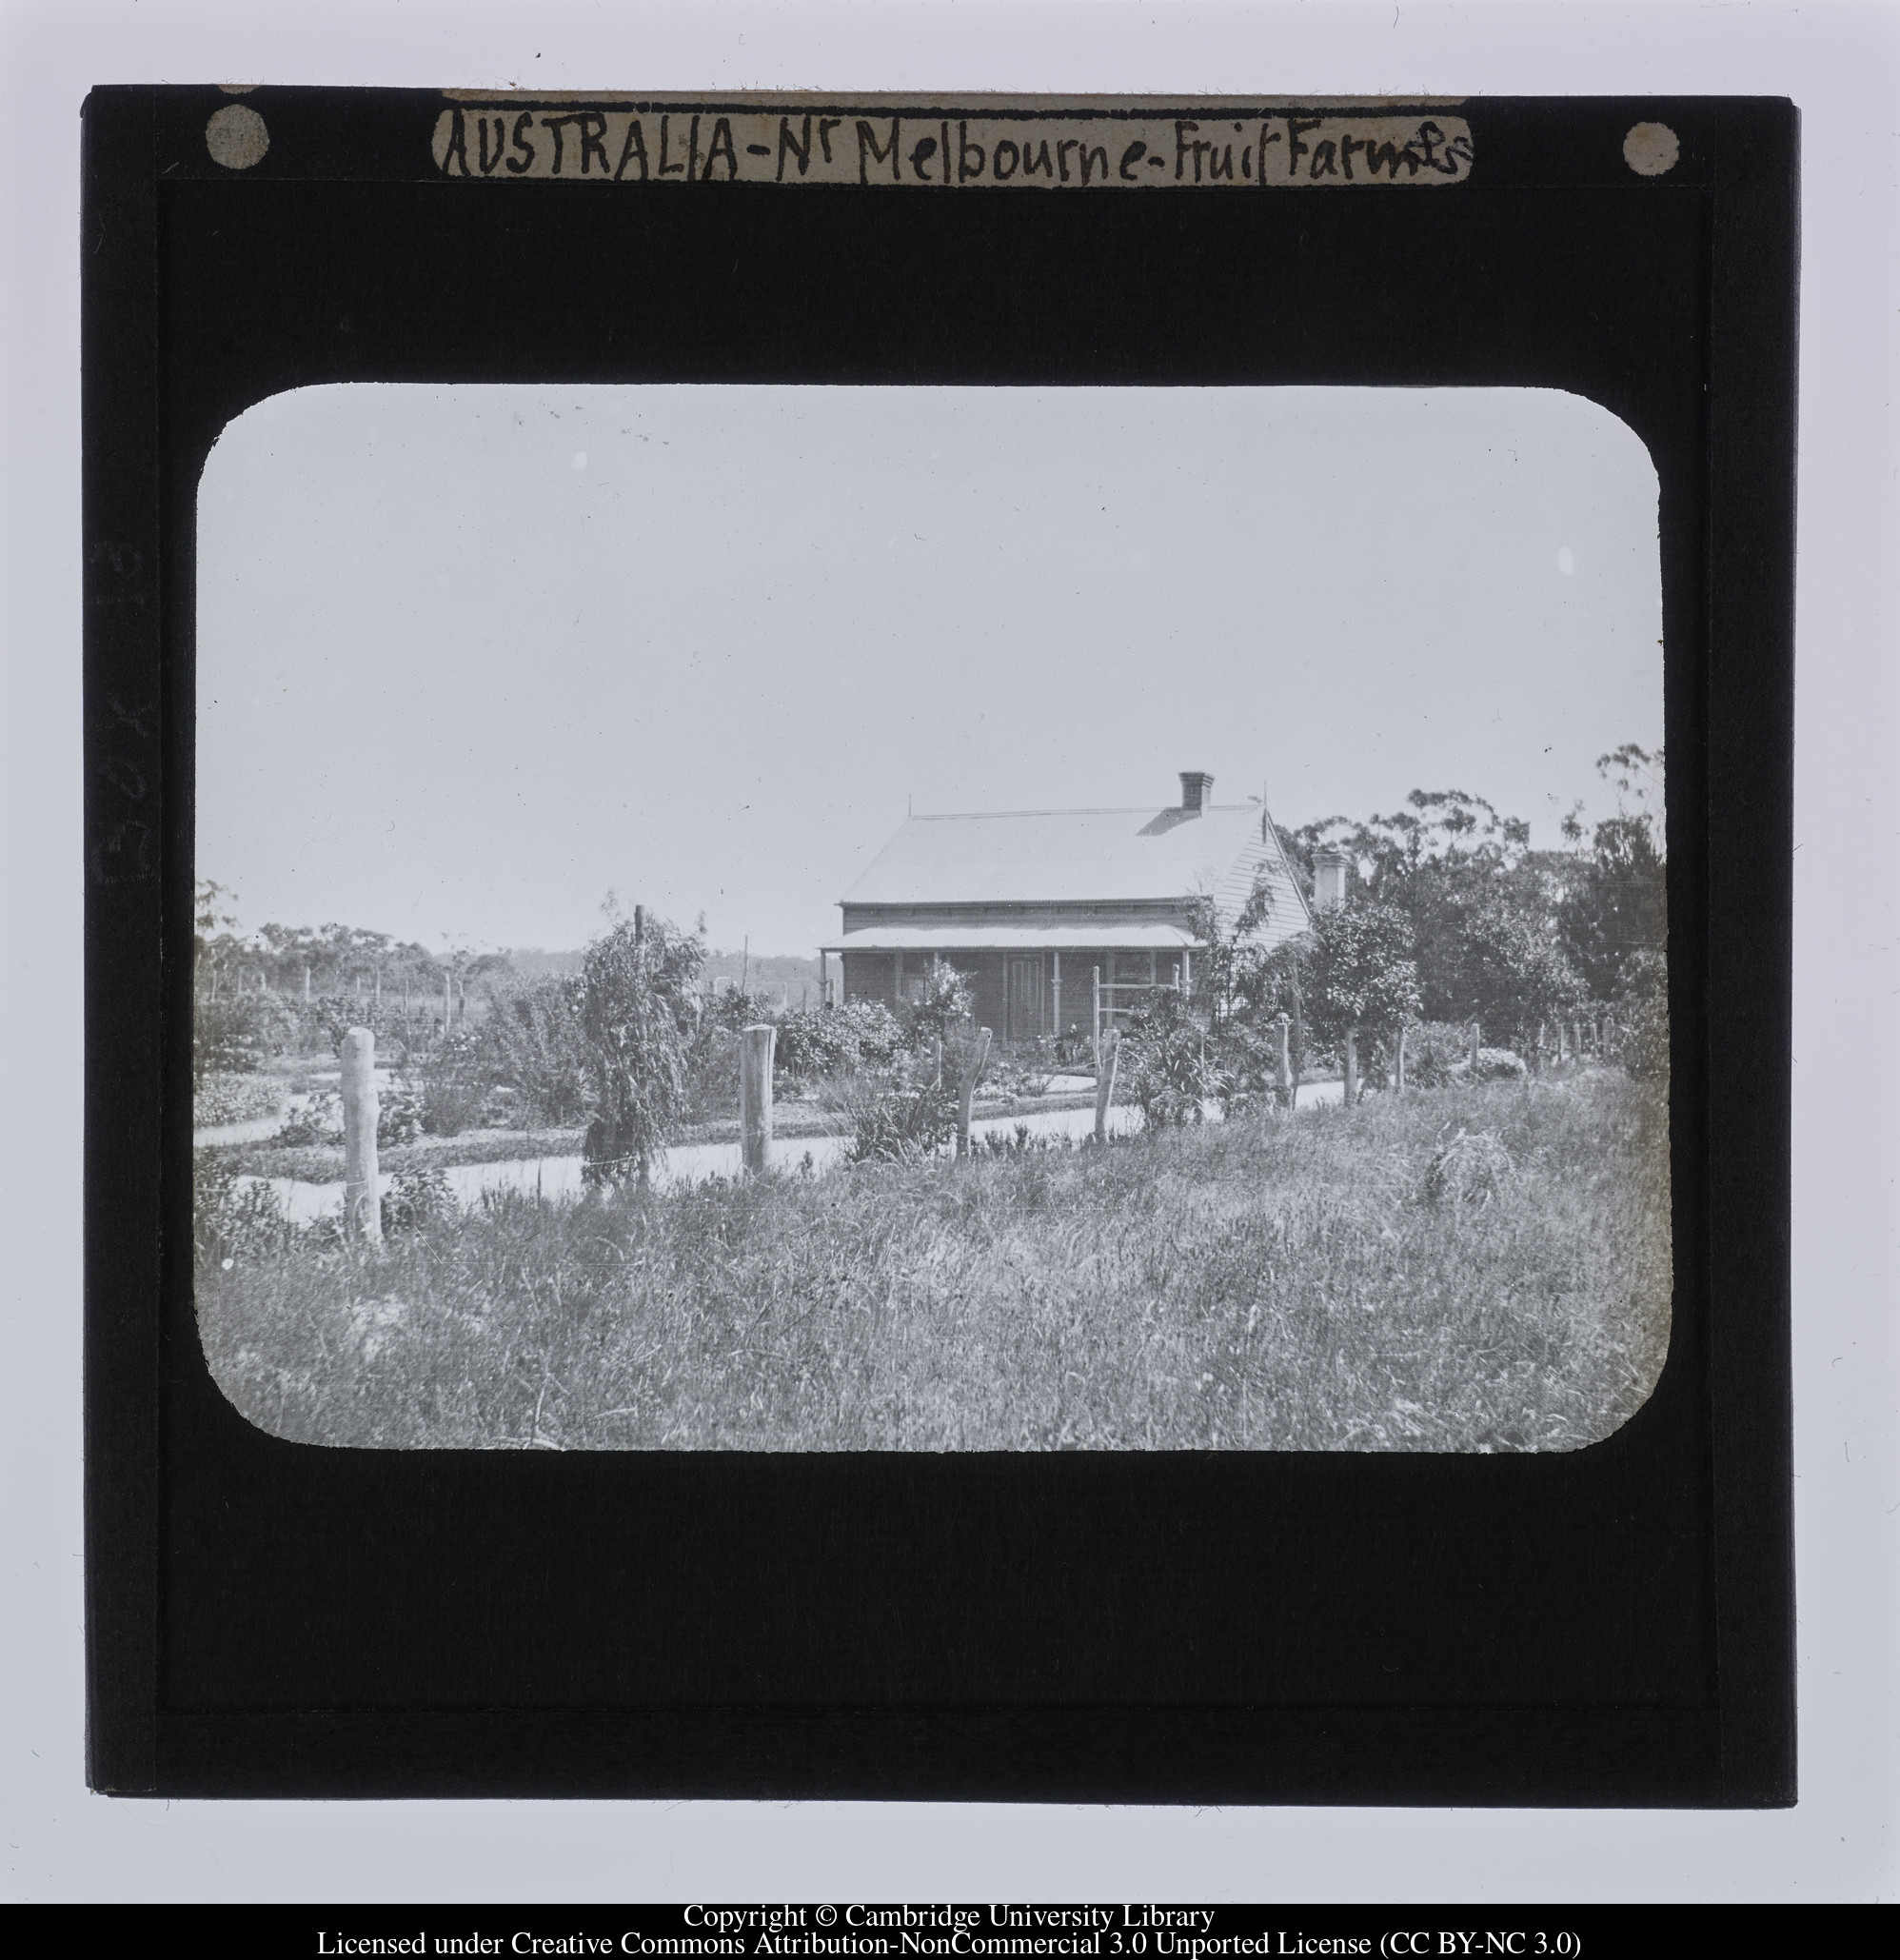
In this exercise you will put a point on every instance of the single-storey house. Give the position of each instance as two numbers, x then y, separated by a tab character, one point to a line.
1053	914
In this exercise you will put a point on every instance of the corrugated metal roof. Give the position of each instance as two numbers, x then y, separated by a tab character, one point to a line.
995	938
1062	855
1083	857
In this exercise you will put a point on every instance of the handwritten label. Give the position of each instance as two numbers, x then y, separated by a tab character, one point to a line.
1238	150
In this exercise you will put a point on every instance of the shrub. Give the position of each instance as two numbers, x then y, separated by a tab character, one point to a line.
419	1196
1006	1071
817	1043
1470	1170
1021	1141
221	1098
635	1006
322	1022
533	1043
899	1114
1244	1055
319	1122
399	1117
712	1074
234	1217
1496	1065
451	1089
1642	1008
233	1035
1435	1054
1166	1066
946	1003
897	1123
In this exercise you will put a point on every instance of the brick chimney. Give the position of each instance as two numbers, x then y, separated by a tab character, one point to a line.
1329	880
1196	790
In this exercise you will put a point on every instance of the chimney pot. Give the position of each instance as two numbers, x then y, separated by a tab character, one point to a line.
1197	789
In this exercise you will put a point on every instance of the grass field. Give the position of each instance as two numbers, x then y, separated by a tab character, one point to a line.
1263	1283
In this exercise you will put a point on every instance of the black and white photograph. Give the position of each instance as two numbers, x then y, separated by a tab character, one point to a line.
931	918
877	1039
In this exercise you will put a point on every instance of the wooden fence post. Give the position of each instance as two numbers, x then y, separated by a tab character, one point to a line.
1475	1042
362	1195
1104	1083
1283	1067
967	1093
1399	1062
755	1094
1350	1089
1094	1024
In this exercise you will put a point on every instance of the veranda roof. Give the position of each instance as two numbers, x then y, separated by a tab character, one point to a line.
1108	937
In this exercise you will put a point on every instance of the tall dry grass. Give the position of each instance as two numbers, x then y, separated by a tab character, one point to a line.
1340	1281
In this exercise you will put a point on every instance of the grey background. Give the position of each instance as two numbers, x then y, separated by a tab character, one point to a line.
470	657
1842	65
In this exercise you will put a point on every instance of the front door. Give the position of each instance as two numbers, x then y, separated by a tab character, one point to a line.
1024	1002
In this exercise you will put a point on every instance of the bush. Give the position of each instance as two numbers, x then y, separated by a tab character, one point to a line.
897	1115
815	1044
451	1090
419	1196
322	1022
1435	1054
1496	1065
319	1122
712	1074
399	1117
636	1005
947	1002
533	1043
450	1105
1470	1170
1642	1009
1244	1056
221	1098
233	1035
1166	1066
1022	1141
234	1217
899	1122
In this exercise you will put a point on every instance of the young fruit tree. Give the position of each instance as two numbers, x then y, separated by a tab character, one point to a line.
1361	976
1232	971
637	984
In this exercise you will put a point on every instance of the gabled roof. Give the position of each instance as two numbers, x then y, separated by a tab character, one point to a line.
1085	857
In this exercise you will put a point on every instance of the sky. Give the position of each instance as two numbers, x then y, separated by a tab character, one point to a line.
471	657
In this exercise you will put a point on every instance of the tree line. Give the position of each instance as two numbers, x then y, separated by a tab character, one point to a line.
1451	917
